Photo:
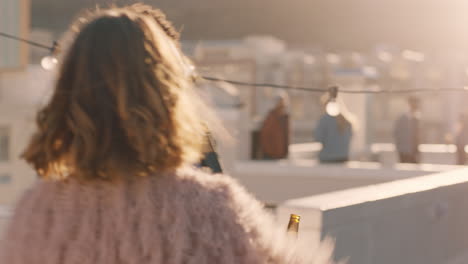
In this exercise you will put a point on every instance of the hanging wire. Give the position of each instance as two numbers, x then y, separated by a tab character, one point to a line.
54	48
348	91
276	86
32	43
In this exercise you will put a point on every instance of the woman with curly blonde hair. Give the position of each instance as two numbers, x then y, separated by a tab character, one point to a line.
113	150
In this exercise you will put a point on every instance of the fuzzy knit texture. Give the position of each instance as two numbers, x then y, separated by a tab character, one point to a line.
183	217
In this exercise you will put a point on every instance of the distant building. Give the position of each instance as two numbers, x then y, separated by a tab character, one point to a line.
20	89
14	20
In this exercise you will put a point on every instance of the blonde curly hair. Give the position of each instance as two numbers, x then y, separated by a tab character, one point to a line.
122	104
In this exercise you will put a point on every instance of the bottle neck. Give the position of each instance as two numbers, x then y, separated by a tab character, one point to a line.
293	225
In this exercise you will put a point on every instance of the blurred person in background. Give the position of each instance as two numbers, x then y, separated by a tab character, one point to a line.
461	139
114	149
335	134
274	132
406	133
210	157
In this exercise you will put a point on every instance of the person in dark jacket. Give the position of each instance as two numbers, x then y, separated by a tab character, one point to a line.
210	156
274	133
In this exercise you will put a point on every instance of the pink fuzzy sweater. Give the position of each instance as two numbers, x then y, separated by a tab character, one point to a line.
185	217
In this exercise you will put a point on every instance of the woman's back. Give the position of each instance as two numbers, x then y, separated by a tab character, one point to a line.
109	148
186	217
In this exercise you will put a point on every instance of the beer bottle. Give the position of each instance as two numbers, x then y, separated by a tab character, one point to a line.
293	225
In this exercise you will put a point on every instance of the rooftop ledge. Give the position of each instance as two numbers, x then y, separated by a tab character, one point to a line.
414	220
382	191
352	169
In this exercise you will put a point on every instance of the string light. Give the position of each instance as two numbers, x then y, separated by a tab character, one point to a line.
347	91
50	61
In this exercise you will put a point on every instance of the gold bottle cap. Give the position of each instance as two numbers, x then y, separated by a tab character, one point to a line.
295	217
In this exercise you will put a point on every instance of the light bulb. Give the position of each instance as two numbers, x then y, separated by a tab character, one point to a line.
49	62
333	108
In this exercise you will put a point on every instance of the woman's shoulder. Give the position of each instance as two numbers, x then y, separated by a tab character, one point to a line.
215	189
199	180
184	179
40	191
245	220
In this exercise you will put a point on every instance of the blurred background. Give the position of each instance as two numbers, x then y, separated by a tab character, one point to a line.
314	44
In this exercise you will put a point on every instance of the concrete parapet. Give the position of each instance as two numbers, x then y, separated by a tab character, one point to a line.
278	181
411	221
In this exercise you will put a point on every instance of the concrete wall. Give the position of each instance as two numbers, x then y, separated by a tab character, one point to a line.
418	220
385	153
429	153
277	181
